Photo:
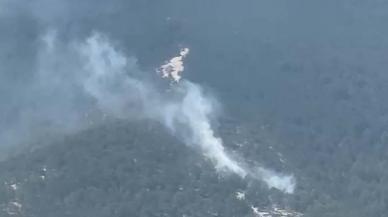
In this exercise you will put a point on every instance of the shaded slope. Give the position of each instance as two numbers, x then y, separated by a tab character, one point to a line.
121	169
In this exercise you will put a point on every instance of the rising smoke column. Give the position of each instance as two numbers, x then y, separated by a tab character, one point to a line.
186	114
192	114
111	79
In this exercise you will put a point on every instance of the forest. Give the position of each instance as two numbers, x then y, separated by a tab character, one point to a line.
300	89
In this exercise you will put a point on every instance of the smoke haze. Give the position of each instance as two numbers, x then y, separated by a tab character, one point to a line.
185	110
289	95
80	76
79	79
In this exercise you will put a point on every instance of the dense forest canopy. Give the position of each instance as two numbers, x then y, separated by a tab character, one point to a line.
297	87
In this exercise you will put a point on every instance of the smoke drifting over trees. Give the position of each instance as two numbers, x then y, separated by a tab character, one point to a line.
269	87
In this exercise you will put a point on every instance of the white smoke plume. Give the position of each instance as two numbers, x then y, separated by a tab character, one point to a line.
107	78
192	114
285	183
112	80
186	113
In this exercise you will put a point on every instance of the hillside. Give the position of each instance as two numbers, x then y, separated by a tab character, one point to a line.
122	169
148	108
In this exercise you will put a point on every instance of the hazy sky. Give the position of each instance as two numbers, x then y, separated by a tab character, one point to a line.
251	50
